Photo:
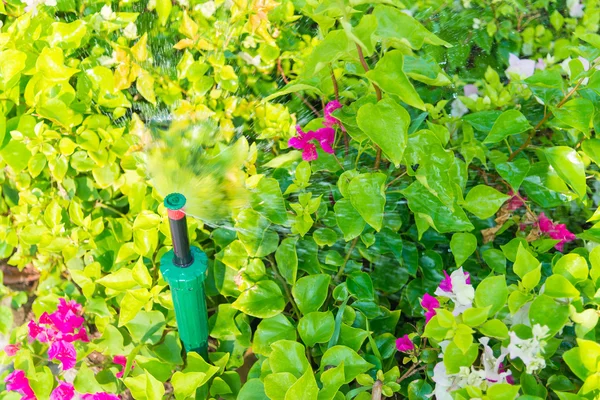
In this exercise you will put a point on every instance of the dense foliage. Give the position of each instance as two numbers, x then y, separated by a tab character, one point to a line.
397	198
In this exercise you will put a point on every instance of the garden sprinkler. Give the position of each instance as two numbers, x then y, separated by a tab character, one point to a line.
184	269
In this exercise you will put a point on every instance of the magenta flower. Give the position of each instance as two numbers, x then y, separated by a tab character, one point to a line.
330	120
16	381
121	360
11	349
305	142
100	396
429	303
446	283
404	344
64	352
555	231
64	391
515	201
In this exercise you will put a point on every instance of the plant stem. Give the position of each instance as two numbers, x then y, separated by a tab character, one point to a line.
343	266
107	207
376	393
336	89
411	371
286	81
546	117
285	287
365	66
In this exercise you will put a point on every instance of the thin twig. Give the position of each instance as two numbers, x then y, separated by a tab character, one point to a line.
365	66
546	117
285	287
396	179
336	89
286	81
411	371
343	266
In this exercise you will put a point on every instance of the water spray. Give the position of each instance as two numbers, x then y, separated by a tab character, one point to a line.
184	268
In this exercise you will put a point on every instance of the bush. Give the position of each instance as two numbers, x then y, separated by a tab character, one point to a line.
396	199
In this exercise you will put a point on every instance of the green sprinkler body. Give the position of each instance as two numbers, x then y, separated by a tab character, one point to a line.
184	269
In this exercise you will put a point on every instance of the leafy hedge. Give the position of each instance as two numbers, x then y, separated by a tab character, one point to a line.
397	198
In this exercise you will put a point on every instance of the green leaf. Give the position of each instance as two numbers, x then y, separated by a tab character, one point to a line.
348	219
484	201
462	246
16	155
386	124
514	172
577	113
509	123
120	280
402	30
147	327
367	194
361	286
288	356
163	9
253	231
185	384
278	384
271	330
591	148
546	311
6	320
454	357
222	323
310	292
335	46
388	74
492	292
558	286
263	300
494	328
525	262
253	389
316	327
325	237
503	391
476	316
419	390
294	88
354	364
287	259
268	201
569	166
573	267
438	215
305	388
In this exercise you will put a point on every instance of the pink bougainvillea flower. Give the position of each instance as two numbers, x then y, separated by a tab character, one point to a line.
457	287
515	201
37	332
11	349
121	360
100	396
16	381
470	90
64	352
64	391
65	306
520	68
81	336
555	231
66	322
305	142
404	344
330	120
429	303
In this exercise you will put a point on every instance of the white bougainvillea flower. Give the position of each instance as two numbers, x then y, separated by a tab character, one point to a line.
471	91
207	9
575	8
492	366
107	13
32	5
130	31
530	351
443	382
458	109
457	287
471	377
255	61
519	68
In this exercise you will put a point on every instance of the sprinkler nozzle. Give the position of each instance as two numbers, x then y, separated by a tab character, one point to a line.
174	203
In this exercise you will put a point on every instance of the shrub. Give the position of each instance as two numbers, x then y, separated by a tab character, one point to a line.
396	199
